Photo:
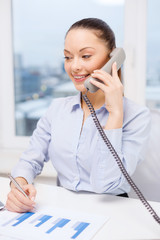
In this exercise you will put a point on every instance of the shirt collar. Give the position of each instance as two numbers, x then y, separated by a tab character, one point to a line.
76	102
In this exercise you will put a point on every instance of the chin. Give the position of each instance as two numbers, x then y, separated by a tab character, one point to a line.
80	88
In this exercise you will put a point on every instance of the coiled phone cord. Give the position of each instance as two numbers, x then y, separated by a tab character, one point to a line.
118	160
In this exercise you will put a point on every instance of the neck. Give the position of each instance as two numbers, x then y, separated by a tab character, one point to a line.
97	99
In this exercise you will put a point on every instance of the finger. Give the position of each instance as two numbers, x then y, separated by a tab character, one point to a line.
102	86
10	206
21	199
13	204
105	77
114	71
30	189
102	73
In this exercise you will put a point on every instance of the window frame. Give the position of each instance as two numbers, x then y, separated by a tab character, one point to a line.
8	139
135	24
134	67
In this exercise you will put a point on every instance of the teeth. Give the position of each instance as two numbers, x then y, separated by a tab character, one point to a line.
78	77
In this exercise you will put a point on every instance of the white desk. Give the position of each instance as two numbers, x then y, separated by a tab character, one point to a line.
128	217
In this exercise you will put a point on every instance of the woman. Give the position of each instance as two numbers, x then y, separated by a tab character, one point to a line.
66	134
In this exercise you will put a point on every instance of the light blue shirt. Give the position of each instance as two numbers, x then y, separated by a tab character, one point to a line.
79	155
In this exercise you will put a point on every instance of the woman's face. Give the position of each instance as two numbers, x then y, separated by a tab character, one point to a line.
84	52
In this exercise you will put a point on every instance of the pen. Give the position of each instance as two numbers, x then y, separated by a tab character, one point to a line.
17	185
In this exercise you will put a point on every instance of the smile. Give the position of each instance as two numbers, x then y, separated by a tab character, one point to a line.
80	78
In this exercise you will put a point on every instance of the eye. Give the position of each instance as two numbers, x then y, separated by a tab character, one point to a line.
67	58
86	56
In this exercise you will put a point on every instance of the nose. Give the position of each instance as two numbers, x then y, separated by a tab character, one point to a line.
76	65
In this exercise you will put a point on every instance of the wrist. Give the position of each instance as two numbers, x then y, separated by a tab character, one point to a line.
20	180
114	121
116	113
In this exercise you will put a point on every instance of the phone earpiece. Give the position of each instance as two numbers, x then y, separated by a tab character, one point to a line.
118	56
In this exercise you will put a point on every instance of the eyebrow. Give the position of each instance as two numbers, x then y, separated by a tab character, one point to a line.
80	49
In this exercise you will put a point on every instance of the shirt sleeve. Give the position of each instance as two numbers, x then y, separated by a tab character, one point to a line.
32	160
129	142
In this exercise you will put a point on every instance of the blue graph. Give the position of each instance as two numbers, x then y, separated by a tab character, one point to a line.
20	218
23	218
42	219
59	224
39	220
79	229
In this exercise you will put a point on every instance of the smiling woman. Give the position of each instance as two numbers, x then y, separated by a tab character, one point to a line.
86	56
66	134
33	63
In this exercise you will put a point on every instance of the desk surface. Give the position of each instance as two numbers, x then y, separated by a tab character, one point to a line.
128	217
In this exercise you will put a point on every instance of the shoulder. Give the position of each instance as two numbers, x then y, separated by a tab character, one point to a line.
63	104
59	107
64	101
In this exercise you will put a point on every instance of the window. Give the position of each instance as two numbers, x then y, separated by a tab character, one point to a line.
39	28
153	56
120	15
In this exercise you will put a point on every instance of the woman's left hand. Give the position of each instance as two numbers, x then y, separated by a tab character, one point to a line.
113	91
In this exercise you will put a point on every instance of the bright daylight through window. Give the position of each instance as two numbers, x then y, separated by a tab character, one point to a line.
153	56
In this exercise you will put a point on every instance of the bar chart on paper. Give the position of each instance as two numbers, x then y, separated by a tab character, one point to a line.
49	223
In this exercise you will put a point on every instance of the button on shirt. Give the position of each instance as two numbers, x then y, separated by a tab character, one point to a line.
79	155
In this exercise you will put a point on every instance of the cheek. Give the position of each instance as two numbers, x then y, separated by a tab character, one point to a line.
90	66
66	67
101	63
97	63
93	67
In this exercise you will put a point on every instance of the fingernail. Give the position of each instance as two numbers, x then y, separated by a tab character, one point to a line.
92	74
33	198
115	63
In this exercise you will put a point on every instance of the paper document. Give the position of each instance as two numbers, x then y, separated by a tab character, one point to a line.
49	223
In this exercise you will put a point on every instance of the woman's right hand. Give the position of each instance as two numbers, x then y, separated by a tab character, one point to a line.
16	201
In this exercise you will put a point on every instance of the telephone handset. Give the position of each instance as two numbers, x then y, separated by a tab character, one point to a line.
118	56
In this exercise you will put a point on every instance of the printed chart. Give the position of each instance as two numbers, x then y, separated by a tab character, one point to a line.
49	223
